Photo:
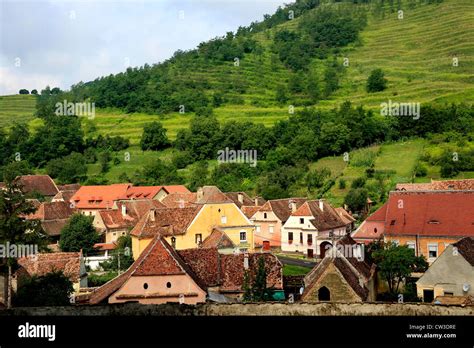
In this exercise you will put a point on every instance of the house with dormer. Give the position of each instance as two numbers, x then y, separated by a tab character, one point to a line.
186	227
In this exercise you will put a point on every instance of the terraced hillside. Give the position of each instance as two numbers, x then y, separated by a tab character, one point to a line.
16	108
416	53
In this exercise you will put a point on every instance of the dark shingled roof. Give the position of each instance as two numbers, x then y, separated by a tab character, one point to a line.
282	207
353	270
466	249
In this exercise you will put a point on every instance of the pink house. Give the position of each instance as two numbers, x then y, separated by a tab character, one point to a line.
372	228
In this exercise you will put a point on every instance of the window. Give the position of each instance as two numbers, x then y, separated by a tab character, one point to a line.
290	237
145	286
257	229
301	220
310	239
243	236
270	228
411	245
173	242
375	230
223	219
198	238
264	215
396	242
168	285
448	293
301	237
432	251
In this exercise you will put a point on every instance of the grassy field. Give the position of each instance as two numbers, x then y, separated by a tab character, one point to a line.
16	108
292	270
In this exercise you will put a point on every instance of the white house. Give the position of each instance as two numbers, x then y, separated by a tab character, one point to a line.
312	228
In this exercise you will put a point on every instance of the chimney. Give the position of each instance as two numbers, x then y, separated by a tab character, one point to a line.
240	197
293	206
124	210
321	204
200	194
246	261
152	215
256	201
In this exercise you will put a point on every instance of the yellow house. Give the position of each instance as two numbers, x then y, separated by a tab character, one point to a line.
187	227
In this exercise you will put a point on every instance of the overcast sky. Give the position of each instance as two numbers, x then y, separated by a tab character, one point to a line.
62	42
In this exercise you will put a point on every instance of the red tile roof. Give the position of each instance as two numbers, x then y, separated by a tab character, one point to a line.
53	216
41	264
99	197
180	200
434	213
134	211
249	210
176	189
142	192
437	185
366	230
165	221
158	258
217	239
345	216
37	183
227	271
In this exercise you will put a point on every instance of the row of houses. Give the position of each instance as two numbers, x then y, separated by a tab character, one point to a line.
179	238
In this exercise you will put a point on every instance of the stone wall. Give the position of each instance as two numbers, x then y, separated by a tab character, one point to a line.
271	309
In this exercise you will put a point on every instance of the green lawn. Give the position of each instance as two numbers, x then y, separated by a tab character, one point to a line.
292	270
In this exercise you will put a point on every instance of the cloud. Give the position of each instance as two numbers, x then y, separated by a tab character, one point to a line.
63	42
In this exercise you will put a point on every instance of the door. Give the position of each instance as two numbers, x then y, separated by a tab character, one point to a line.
310	253
266	245
428	295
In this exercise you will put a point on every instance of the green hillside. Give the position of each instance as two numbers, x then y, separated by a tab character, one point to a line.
415	53
16	108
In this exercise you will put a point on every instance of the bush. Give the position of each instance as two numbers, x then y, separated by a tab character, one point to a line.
342	183
51	289
376	81
154	137
95	280
358	182
182	159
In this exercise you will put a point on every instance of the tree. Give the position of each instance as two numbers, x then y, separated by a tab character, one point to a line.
51	289
199	175
14	228
258	290
376	81
356	199
24	91
78	234
159	173
334	138
154	137
281	94
316	178
34	91
396	263
104	159
331	81
69	169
